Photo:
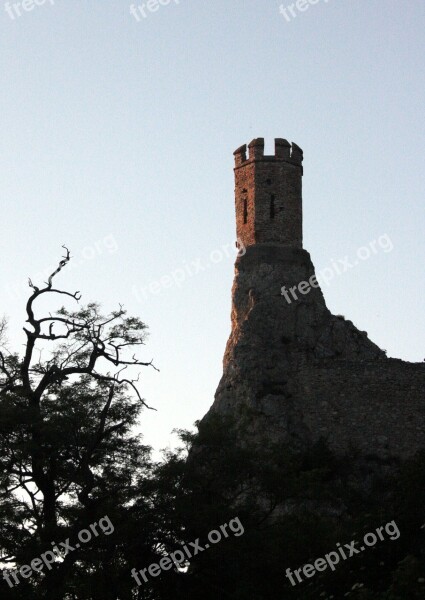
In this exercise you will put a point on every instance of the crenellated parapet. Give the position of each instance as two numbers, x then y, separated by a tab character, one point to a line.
284	151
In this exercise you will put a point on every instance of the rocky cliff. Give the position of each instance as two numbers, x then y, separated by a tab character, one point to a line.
294	372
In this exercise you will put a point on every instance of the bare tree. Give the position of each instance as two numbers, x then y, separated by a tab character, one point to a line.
87	338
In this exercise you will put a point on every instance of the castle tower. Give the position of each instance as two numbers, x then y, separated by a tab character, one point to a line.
268	194
292	371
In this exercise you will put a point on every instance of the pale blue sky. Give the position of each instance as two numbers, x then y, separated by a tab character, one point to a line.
117	139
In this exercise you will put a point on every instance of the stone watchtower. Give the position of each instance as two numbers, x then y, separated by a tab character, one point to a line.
268	194
293	371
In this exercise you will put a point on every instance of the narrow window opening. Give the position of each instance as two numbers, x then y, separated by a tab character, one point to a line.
245	211
272	208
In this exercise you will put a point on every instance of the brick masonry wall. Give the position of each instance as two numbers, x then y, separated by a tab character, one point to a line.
268	198
245	192
283	182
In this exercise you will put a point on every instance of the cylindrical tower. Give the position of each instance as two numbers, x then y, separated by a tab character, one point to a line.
268	194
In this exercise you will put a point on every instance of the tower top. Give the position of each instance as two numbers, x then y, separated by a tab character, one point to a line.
284	151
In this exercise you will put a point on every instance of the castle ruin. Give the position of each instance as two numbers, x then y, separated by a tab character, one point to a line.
293	371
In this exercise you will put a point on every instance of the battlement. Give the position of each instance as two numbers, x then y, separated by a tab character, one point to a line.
284	151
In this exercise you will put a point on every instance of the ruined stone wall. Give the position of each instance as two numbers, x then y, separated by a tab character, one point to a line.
376	407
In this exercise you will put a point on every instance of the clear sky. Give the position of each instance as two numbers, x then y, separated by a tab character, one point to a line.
117	139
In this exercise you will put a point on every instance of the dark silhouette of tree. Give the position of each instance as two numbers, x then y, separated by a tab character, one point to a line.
295	506
68	455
